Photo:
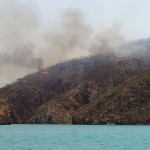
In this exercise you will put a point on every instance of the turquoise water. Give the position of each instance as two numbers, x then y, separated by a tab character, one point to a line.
70	137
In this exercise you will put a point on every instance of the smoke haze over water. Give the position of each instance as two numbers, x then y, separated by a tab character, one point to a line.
26	47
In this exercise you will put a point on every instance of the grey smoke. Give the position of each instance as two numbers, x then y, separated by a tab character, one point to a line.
107	39
18	25
23	56
72	37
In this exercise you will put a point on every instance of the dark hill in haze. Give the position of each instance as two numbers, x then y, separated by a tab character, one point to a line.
91	90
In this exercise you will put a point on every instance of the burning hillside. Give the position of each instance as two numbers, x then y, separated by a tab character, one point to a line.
67	92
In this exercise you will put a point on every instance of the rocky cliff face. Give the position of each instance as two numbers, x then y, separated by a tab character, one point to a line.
93	90
127	103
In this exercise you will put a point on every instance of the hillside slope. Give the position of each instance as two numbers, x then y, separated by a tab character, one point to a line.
92	90
128	103
26	95
62	107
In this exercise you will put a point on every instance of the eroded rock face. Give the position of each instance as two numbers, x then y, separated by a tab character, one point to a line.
59	110
128	103
5	114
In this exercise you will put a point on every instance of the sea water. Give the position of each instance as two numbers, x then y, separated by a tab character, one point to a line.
74	137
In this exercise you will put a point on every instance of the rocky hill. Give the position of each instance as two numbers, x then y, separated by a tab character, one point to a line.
127	103
92	90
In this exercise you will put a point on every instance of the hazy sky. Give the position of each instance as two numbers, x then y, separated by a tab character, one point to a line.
132	14
88	25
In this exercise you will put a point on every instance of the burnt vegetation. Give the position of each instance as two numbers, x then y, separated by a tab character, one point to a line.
92	90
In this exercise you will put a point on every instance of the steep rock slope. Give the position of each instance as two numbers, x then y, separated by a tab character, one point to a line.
128	103
32	91
105	78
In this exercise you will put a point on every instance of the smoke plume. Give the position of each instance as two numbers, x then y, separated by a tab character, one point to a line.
108	39
18	25
23	56
73	37
25	47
